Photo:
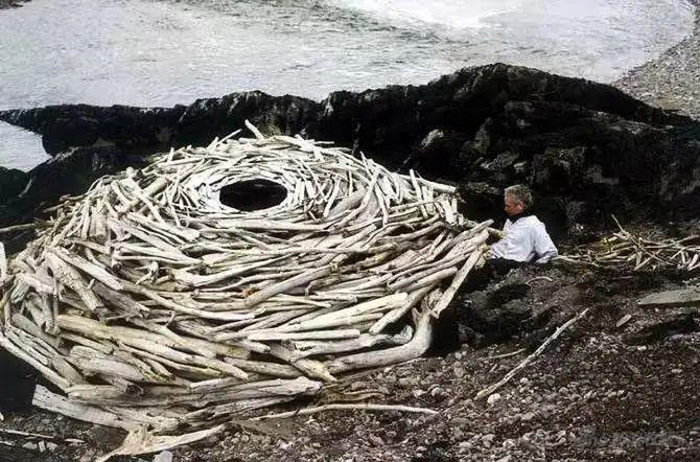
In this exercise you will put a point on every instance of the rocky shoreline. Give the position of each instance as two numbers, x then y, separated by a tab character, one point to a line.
606	390
587	149
671	81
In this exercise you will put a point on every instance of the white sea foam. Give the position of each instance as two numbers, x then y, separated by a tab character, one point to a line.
450	14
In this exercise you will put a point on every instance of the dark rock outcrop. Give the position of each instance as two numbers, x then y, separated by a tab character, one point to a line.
587	149
206	119
135	130
17	384
11	3
66	174
678	324
12	183
129	129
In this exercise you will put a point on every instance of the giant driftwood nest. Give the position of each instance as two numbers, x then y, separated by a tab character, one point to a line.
147	301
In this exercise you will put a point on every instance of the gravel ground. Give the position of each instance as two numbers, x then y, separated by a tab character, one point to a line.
673	80
598	393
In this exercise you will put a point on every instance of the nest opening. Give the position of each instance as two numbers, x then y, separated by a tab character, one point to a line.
256	194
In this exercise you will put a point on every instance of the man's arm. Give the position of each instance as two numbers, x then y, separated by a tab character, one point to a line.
496	250
544	247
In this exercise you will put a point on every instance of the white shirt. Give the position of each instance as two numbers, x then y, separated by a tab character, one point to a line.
526	240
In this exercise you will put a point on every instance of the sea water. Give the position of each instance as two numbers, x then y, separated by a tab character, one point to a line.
164	52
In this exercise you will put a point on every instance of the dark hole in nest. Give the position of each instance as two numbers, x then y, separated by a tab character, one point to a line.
252	195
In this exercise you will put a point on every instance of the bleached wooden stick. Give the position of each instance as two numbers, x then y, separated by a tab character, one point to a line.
345	407
525	362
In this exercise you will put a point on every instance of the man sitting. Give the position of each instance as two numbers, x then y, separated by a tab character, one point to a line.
526	239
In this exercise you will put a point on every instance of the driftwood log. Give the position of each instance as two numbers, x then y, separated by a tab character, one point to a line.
147	301
625	249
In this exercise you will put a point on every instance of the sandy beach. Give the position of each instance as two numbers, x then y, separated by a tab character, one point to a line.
673	80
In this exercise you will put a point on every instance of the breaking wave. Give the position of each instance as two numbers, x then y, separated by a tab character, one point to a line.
447	14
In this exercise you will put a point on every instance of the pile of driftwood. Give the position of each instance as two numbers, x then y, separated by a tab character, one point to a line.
627	250
147	301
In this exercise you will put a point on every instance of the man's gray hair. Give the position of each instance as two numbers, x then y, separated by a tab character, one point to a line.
520	193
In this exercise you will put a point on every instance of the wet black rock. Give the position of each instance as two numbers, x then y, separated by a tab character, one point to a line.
483	199
12	183
143	131
11	3
679	324
206	119
496	313
129	129
65	174
587	149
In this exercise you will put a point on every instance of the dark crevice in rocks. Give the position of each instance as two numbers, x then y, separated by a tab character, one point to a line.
681	324
17	383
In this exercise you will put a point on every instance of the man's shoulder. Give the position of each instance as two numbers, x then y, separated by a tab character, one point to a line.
529	223
530	220
532	224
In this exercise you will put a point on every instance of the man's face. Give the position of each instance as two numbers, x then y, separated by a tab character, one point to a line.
512	207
